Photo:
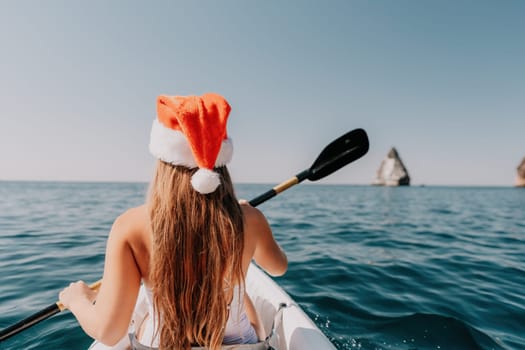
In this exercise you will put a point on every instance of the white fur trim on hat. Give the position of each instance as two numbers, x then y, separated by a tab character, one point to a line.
171	146
205	181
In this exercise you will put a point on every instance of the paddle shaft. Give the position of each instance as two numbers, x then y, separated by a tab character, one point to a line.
340	152
29	321
37	317
280	188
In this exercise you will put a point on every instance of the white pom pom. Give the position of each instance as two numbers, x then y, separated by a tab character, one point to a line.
205	181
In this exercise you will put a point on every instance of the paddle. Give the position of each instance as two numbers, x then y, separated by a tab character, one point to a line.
39	316
340	152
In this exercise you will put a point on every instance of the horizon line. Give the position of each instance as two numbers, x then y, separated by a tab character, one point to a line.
310	183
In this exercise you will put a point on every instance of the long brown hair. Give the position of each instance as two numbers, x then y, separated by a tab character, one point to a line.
197	252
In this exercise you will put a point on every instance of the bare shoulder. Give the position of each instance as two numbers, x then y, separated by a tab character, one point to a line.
252	216
255	224
130	223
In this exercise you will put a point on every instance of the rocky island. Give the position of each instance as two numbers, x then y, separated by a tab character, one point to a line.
520	179
392	171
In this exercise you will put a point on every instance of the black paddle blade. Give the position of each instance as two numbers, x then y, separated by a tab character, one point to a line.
342	151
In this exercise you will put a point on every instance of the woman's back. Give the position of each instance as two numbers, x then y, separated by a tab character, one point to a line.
257	234
242	321
238	329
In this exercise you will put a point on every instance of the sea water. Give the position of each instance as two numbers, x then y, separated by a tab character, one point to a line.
374	267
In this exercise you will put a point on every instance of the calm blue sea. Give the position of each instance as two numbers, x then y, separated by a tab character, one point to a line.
375	268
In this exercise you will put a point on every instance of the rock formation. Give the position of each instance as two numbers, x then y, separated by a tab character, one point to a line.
520	179
392	171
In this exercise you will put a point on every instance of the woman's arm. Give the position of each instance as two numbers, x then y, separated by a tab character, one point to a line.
107	319
268	254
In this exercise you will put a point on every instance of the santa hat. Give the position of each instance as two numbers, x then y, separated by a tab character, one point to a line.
191	131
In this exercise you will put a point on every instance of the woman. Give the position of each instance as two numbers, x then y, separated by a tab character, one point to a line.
190	244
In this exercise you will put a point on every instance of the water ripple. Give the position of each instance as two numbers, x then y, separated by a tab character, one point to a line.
375	268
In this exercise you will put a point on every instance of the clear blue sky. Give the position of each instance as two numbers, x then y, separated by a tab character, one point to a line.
442	81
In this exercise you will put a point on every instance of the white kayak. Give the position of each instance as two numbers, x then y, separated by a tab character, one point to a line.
293	329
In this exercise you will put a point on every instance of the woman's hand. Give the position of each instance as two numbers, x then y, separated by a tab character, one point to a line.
77	291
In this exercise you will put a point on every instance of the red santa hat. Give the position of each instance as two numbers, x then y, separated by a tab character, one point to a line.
191	131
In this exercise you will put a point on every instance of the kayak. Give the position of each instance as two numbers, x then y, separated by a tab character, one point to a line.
287	324
296	330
